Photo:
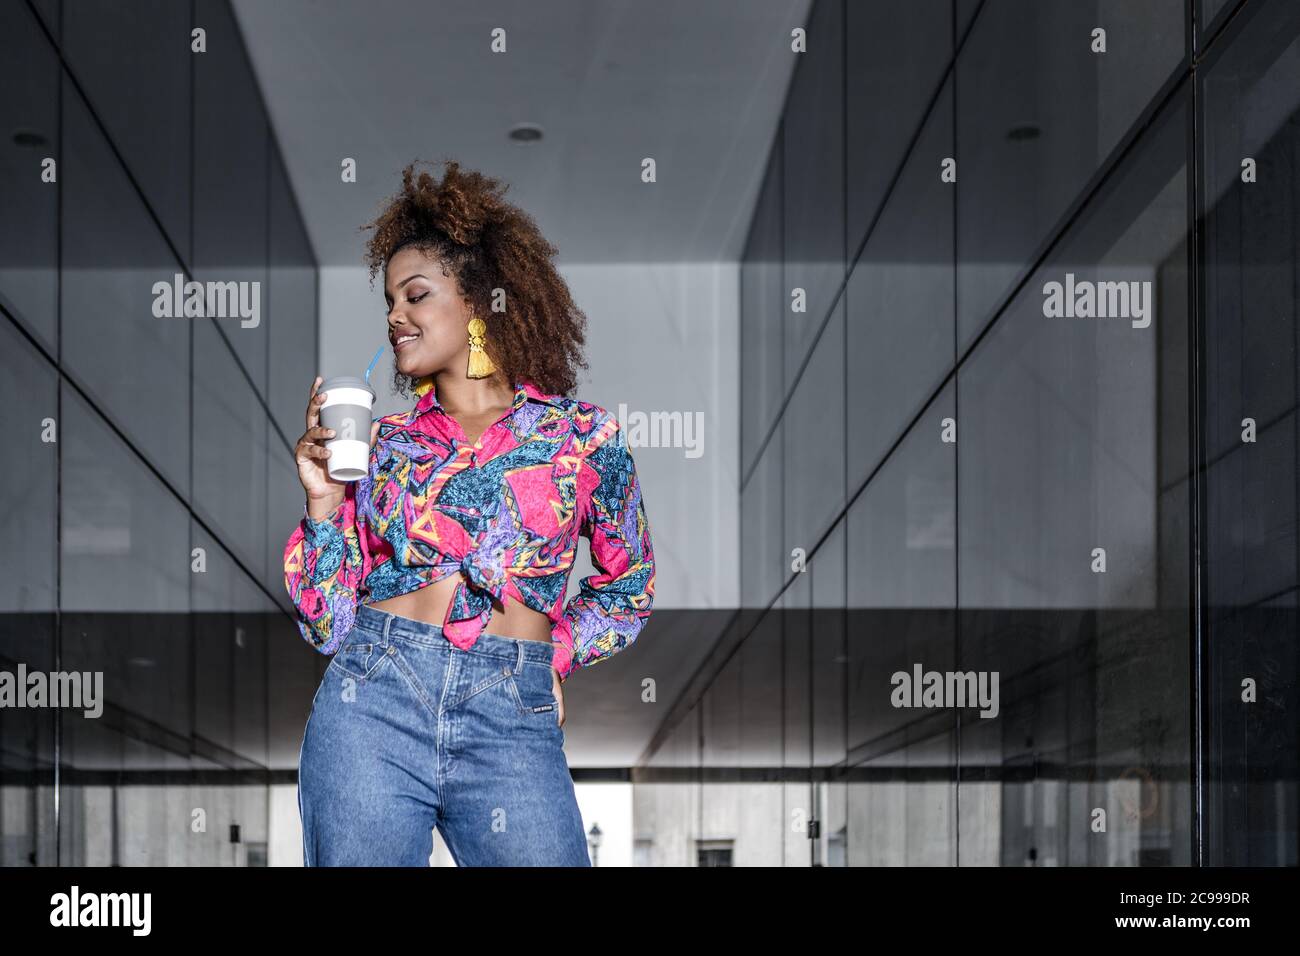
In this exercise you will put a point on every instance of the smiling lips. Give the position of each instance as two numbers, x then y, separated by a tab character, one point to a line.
404	340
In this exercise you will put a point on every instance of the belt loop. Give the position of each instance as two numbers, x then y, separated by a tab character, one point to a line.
388	622
519	661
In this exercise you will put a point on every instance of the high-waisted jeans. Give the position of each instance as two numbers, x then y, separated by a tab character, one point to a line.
408	732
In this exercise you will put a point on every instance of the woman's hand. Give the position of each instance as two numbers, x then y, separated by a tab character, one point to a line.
312	457
558	692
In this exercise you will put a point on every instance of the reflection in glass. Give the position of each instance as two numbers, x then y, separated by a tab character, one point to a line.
1073	555
1251	100
812	175
231	151
290	312
230	452
813	460
900	301
29	111
132	363
139	86
28	415
897	54
1025	154
901	787
163	608
764	305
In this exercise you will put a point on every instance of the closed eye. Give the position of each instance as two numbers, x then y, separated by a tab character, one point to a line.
389	304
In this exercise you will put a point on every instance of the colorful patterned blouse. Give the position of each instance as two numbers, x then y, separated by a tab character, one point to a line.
507	512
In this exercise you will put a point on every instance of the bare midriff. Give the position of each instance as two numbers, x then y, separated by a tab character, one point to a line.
430	603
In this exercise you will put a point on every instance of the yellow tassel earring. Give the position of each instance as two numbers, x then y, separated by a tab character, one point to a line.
480	366
423	385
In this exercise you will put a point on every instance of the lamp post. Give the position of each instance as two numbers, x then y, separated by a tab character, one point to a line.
593	842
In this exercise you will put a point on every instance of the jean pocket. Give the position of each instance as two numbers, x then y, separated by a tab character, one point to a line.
534	695
359	660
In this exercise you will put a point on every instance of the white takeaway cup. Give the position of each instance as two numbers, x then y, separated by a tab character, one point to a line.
348	405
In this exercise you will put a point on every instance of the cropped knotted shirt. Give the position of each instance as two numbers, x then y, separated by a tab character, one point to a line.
504	513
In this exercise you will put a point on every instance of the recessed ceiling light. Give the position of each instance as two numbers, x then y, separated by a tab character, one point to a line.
29	137
526	133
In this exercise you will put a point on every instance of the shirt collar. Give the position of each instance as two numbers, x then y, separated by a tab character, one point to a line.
524	391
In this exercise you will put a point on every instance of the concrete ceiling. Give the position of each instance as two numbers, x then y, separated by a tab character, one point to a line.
696	84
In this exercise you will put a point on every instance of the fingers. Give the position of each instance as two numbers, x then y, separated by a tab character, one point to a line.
314	402
310	449
312	442
374	432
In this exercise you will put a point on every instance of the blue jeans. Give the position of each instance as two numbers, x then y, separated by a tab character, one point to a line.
408	732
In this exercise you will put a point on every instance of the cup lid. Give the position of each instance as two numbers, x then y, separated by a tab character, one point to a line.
346	381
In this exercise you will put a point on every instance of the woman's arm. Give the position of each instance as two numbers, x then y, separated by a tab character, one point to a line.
325	563
611	607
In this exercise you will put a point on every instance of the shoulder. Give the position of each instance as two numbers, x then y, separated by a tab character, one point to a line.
395	418
602	438
593	425
392	423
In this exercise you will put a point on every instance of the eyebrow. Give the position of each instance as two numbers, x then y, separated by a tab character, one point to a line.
406	280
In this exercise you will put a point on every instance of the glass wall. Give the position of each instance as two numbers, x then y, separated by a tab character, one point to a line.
1249	87
1019	394
152	485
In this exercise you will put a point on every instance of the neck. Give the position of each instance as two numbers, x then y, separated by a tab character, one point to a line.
458	392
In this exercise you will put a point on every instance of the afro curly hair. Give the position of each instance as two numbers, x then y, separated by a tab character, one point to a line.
486	244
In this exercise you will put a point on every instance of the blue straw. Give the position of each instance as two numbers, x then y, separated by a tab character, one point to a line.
373	361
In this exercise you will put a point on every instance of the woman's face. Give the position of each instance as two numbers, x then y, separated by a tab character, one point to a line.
424	303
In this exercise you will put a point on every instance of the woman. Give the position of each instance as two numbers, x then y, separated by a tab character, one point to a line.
438	581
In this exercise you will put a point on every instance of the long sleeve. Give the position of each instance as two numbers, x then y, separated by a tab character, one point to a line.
611	607
325	564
